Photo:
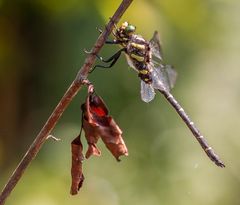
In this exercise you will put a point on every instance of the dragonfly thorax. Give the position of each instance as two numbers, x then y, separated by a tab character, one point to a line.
139	55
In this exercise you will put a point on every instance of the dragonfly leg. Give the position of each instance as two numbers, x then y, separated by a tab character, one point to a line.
99	30
113	59
112	41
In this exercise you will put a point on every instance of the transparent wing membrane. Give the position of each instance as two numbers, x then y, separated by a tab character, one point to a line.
158	79
147	92
155	46
171	75
163	76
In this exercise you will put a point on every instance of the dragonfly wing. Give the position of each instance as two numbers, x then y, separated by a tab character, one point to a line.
171	75
147	92
155	46
158	80
163	77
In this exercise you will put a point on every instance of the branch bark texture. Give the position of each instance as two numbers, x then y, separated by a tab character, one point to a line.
63	104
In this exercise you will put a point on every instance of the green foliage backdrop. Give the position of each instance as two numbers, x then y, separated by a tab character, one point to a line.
41	50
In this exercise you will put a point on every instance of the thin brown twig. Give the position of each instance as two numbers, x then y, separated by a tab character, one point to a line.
63	104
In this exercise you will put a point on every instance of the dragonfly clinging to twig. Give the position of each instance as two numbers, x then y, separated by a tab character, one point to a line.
145	57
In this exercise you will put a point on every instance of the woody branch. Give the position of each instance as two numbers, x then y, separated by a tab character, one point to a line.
73	89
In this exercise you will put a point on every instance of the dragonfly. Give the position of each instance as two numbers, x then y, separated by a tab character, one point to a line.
145	57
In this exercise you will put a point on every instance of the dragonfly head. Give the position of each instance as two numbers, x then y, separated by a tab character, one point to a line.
125	31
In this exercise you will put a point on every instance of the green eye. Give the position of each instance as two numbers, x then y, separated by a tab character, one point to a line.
130	28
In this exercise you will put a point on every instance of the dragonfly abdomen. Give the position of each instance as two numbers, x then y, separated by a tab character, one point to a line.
143	72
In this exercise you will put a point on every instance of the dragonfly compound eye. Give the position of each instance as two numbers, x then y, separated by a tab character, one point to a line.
130	29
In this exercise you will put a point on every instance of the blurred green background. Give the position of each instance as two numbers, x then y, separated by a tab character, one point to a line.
41	50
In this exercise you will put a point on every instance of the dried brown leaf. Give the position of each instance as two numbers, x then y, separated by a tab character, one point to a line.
76	170
97	123
112	138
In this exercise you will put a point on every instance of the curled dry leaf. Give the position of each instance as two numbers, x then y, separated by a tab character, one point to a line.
76	170
97	123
